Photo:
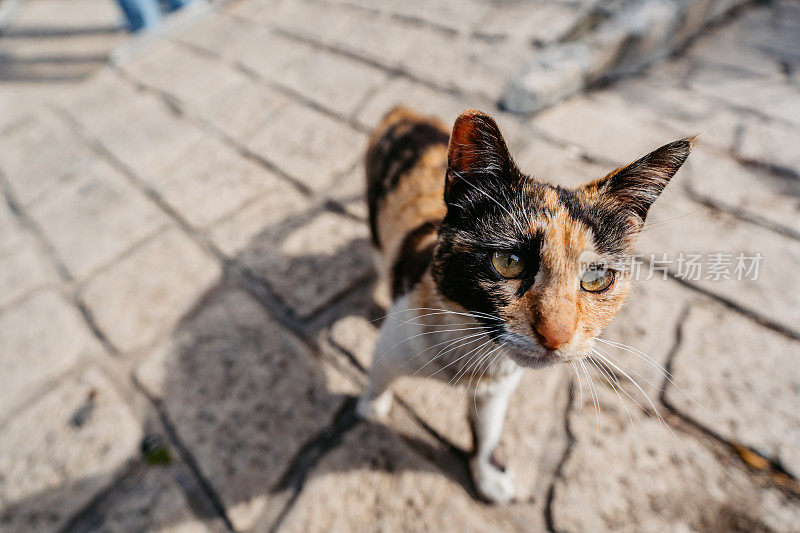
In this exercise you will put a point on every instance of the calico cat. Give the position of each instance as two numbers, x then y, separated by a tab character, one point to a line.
487	266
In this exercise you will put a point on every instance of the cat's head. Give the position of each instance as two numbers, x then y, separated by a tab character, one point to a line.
513	250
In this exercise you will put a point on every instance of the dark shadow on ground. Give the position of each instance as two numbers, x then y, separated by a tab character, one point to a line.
252	405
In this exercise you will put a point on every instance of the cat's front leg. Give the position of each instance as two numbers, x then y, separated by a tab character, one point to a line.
390	360
492	481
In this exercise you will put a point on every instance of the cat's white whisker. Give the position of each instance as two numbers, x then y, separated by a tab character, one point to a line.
456	376
499	354
654	363
473	314
614	386
459	359
483	328
595	399
652	405
621	363
452	345
580	386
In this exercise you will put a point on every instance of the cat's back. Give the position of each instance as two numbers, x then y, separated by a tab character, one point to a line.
405	165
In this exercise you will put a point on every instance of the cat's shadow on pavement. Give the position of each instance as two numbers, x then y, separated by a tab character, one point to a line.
249	408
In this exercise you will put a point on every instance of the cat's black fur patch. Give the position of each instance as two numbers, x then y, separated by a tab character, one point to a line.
413	260
394	154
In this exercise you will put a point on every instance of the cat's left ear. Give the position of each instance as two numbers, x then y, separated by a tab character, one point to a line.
477	152
635	187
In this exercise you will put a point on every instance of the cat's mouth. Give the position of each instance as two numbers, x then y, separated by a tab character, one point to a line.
529	354
530	360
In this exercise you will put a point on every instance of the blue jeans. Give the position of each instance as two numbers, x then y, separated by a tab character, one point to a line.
142	14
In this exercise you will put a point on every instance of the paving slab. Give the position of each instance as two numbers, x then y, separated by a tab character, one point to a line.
685	112
211	180
139	298
773	98
244	395
150	498
754	192
92	219
771	144
527	23
423	99
23	264
643	334
746	394
307	145
672	483
147	136
184	74
242	110
678	226
291	256
619	134
33	172
36	351
100	102
381	483
280	205
61	451
335	82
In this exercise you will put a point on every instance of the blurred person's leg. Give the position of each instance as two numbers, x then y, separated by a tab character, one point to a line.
174	5
141	14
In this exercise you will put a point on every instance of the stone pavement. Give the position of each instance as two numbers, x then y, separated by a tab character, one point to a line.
185	283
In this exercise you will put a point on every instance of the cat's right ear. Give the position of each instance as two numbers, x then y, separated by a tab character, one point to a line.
476	152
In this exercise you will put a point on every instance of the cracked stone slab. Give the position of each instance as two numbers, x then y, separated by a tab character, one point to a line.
35	351
244	395
138	299
534	425
382	482
673	483
61	451
746	379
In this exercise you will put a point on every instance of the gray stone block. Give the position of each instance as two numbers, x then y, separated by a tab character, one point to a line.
244	395
139	298
61	451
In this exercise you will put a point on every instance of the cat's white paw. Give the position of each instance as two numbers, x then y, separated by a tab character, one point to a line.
492	483
370	407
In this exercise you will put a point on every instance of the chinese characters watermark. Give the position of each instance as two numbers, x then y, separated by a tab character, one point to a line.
716	266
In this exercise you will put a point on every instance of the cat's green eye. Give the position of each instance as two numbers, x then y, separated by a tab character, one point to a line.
596	280
507	264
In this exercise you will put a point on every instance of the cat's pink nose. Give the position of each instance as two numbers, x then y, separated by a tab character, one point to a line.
555	333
